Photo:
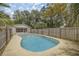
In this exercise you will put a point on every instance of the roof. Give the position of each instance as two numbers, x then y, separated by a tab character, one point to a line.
21	26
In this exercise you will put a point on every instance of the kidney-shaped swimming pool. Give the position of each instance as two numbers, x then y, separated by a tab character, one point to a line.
37	43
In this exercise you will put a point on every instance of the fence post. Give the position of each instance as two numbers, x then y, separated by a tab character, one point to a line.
48	31
6	35
10	33
60	32
77	27
30	30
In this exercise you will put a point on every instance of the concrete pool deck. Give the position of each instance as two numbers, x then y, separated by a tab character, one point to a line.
65	47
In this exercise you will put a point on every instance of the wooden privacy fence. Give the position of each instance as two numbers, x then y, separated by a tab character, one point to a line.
70	33
5	37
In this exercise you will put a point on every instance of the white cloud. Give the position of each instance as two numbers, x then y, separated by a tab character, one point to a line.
21	8
14	6
42	5
33	7
28	9
23	4
9	12
37	6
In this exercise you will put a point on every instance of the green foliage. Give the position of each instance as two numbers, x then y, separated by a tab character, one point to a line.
75	8
39	25
4	18
50	16
4	5
74	12
4	21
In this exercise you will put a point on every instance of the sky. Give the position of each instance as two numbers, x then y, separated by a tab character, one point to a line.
22	6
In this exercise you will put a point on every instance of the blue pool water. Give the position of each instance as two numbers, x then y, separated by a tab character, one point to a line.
37	43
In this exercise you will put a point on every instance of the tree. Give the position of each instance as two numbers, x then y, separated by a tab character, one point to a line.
55	10
4	18
75	11
22	17
4	5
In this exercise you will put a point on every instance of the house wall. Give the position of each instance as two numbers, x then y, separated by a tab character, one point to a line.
14	30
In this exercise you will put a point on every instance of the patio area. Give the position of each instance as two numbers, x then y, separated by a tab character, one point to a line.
65	48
